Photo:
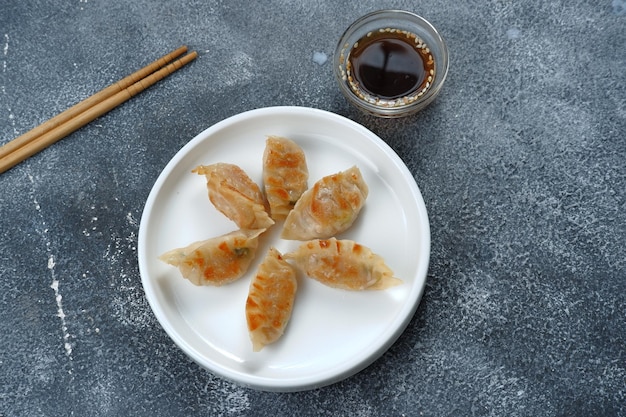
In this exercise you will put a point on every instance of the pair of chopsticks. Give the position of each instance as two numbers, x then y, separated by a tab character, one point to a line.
77	116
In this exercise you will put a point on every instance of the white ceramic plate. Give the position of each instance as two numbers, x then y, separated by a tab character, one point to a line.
332	333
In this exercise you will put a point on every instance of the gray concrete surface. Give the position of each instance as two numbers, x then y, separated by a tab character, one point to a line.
521	162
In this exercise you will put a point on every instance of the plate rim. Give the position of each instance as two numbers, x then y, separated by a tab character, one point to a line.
407	311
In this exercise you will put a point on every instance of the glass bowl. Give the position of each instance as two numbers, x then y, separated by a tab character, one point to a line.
388	32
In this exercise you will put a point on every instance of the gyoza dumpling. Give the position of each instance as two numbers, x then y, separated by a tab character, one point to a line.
216	261
343	264
270	300
285	175
234	194
328	208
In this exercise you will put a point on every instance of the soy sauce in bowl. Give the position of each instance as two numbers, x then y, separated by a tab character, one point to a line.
391	63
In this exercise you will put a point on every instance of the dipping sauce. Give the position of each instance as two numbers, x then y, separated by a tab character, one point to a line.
390	67
390	63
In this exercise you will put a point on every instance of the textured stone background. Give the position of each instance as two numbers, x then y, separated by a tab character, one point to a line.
521	162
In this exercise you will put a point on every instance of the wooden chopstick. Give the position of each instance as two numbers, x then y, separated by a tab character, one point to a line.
89	102
89	109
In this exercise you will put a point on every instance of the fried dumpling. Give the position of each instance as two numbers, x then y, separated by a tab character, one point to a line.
216	261
343	264
234	194
285	175
328	208
270	300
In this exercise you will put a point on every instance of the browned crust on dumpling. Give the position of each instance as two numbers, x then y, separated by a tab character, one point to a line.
216	261
270	300
285	175
343	264
328	208
235	195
